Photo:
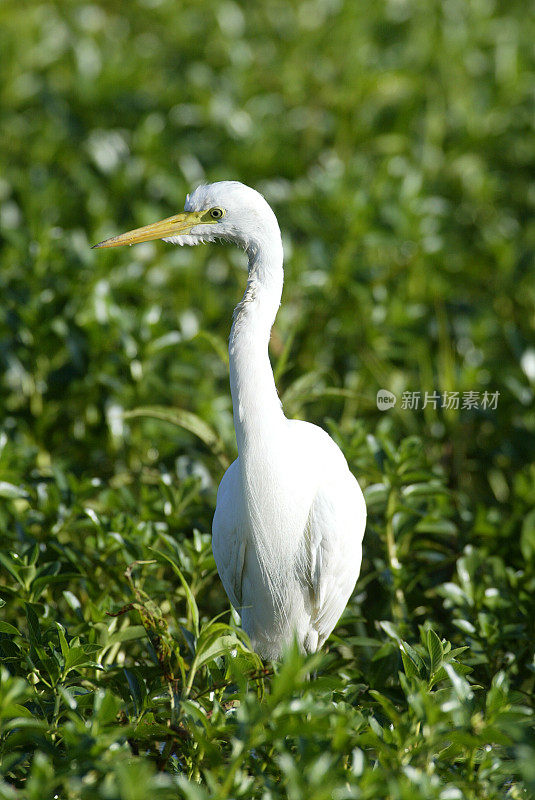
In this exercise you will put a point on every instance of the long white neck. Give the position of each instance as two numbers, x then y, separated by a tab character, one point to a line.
256	406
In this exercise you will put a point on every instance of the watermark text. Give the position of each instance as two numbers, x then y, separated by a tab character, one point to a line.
448	400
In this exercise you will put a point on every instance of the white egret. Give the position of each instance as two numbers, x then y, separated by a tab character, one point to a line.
290	516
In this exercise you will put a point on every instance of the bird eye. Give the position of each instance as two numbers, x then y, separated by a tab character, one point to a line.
216	213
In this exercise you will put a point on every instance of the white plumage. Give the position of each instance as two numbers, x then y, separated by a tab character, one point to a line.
290	516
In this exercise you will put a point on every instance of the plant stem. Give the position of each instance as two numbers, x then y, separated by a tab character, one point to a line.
399	606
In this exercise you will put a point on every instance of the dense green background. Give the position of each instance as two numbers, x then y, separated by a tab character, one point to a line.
396	142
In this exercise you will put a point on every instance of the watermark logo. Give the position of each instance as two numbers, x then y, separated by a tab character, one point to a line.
385	400
448	400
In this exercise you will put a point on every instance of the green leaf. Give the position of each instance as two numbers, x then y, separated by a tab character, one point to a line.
12	565
443	527
39	584
11	491
434	647
76	658
217	343
127	634
191	602
6	627
62	640
376	495
413	664
411	671
390	630
387	706
190	422
461	687
137	688
527	536
428	489
217	647
301	389
34	627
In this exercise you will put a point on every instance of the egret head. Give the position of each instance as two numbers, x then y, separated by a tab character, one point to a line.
225	210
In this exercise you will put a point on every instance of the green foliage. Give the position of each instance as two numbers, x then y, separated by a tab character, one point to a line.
395	141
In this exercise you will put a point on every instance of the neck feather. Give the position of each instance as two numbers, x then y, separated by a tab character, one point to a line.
256	405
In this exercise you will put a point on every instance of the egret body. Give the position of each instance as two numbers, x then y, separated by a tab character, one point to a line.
290	516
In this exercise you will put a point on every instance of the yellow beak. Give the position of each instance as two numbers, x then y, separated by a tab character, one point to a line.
172	226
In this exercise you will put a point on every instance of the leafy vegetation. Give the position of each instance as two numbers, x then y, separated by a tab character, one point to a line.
396	142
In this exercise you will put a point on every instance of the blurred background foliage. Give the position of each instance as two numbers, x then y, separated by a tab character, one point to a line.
396	142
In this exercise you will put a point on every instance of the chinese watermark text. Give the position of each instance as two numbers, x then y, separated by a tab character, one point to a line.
447	400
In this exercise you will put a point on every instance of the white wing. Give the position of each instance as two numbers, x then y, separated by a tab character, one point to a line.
335	529
228	541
